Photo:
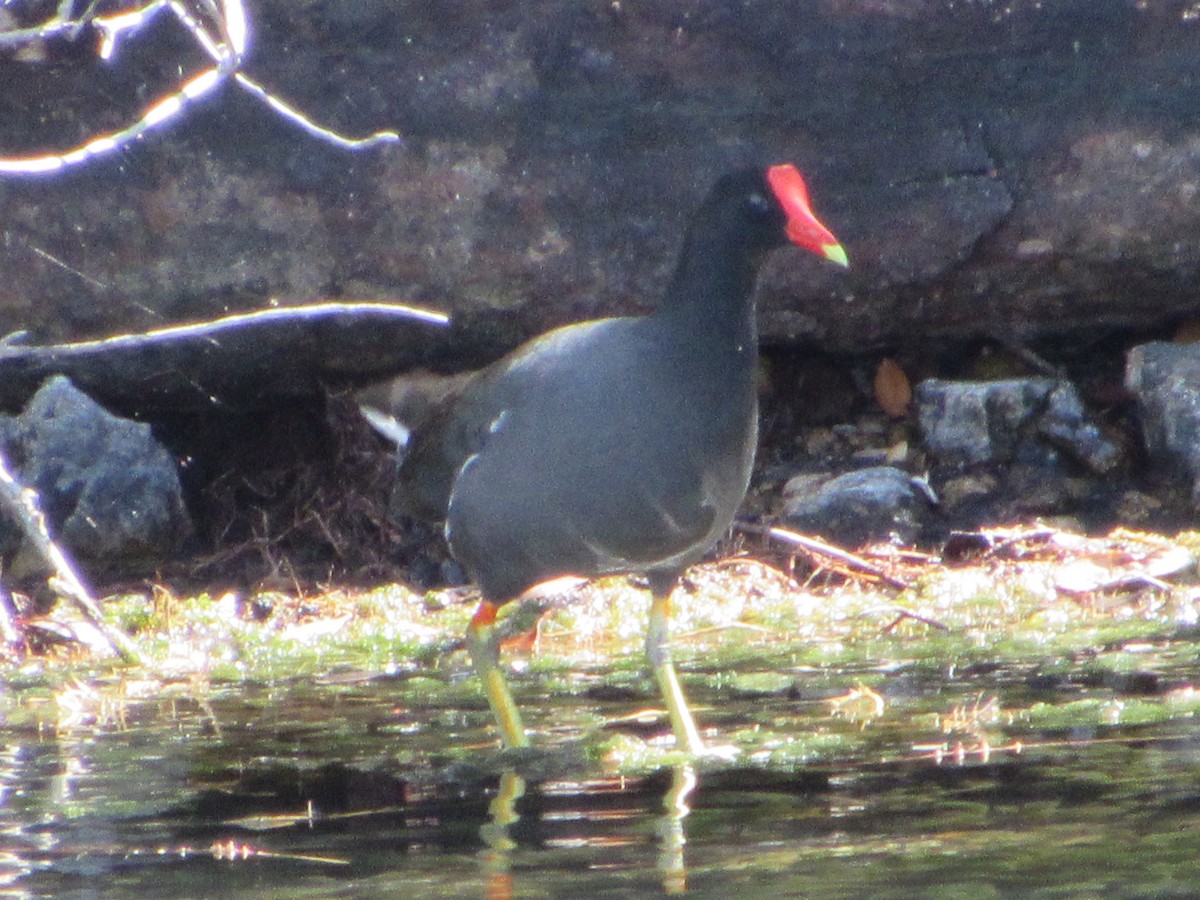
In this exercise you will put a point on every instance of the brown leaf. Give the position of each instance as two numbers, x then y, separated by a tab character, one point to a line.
1187	332
893	392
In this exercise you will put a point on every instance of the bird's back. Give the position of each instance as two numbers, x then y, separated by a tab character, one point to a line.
600	447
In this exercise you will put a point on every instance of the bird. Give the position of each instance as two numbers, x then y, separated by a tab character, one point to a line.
613	445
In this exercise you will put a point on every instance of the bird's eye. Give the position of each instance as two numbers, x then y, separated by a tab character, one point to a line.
758	202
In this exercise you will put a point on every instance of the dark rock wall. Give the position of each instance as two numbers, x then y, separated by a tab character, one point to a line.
1016	168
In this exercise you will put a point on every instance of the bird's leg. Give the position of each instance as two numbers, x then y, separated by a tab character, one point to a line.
659	657
484	646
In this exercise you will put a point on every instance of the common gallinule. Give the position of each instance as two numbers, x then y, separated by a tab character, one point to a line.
613	445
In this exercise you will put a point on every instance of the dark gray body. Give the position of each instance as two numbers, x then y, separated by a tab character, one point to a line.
616	445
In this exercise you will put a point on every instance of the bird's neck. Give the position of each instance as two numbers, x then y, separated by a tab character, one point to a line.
711	296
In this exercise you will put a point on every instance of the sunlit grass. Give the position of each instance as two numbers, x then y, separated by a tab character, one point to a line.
850	667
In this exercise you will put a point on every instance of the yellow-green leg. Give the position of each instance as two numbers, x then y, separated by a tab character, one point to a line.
484	646
687	736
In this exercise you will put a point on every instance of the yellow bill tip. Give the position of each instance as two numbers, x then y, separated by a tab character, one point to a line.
835	253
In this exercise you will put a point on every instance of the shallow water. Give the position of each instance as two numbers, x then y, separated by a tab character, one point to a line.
327	789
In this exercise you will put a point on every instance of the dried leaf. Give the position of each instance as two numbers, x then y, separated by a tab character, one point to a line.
1188	332
893	392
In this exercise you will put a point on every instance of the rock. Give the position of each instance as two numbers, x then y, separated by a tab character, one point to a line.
970	423
1064	424
1165	381
859	507
993	169
1011	449
1028	419
109	490
970	488
1135	509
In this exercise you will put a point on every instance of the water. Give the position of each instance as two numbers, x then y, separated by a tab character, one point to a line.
339	790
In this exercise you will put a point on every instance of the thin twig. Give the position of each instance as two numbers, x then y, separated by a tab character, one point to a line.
9	632
60	23
22	504
821	548
902	614
713	629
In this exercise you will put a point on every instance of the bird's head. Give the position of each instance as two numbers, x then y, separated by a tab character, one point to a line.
770	207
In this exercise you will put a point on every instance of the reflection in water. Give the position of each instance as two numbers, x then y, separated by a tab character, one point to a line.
670	830
497	835
289	800
606	826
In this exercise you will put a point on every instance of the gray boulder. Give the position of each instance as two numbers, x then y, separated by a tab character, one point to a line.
859	507
111	493
1016	169
1165	381
965	423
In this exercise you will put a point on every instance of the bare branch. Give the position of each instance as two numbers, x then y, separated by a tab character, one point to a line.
221	28
22	505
